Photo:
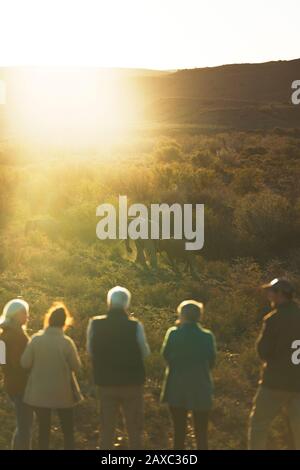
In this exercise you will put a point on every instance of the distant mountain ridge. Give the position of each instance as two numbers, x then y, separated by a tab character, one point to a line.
238	96
265	82
235	96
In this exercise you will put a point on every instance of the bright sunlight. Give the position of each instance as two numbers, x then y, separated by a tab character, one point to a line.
48	104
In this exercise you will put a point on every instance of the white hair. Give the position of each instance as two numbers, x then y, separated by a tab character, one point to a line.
190	306
11	311
118	297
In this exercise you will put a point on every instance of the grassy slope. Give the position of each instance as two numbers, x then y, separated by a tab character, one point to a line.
80	271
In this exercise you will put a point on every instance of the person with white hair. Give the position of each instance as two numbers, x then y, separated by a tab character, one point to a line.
190	351
13	323
118	346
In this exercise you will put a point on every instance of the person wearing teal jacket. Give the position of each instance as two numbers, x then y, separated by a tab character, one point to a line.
190	352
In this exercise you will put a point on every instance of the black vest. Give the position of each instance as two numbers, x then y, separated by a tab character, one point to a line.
116	356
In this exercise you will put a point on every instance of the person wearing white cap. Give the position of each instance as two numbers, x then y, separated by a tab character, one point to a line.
279	383
13	325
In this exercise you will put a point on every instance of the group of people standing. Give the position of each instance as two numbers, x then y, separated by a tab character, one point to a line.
40	374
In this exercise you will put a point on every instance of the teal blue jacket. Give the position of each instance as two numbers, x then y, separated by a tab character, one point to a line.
190	353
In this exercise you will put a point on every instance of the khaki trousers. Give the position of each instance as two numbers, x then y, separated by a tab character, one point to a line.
266	406
128	399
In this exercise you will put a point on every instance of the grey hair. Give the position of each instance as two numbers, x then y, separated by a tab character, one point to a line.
11	310
119	297
191	309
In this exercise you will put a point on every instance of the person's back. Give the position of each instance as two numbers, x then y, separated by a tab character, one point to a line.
275	348
190	354
51	358
15	377
53	361
189	351
117	345
190	346
116	356
13	336
279	385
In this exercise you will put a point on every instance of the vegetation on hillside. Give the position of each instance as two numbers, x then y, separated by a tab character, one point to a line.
248	182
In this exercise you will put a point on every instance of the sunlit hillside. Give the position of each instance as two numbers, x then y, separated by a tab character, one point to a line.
92	106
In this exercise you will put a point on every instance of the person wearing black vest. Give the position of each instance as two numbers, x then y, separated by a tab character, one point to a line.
279	385
117	345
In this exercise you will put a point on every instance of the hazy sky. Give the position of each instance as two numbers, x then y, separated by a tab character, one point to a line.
162	34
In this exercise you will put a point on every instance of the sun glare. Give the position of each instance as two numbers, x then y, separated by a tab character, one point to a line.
70	104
